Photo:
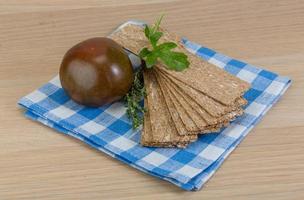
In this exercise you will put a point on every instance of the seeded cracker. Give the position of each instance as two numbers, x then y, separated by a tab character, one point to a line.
201	75
213	125
200	99
180	126
182	108
212	107
163	132
198	108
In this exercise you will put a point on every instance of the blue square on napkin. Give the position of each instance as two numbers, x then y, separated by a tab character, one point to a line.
108	129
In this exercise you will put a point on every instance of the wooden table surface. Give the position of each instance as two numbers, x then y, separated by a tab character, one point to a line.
38	163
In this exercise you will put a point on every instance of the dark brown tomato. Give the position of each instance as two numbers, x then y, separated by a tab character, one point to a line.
96	72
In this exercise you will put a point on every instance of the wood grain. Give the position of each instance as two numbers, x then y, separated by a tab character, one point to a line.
38	163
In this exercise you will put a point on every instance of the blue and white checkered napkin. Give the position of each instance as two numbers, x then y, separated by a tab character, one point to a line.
109	130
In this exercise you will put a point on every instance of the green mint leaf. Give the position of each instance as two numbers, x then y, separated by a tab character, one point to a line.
147	31
166	46
174	60
144	52
155	37
179	55
151	59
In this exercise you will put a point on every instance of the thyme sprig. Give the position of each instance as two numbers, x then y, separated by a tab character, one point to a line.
133	100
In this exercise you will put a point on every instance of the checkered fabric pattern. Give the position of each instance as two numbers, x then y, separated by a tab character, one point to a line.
109	130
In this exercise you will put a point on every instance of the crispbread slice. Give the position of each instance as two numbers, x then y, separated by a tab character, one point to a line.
180	126
195	108
179	108
162	145
158	124
212	107
201	75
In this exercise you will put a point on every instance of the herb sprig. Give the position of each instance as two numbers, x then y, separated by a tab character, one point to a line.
173	60
134	98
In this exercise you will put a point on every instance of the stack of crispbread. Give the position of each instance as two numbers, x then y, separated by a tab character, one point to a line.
180	105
